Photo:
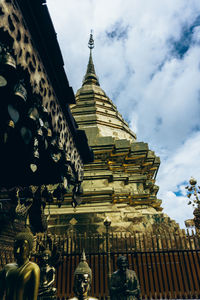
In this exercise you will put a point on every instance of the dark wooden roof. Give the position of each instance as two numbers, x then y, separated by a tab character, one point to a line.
39	23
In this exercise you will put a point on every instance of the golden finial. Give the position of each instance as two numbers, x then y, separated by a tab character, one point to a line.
90	76
91	41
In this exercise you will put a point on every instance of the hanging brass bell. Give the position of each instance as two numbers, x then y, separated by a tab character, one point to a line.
20	91
7	66
49	134
3	81
8	60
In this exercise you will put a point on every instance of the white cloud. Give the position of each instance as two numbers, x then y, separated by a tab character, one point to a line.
172	97
154	84
177	207
174	173
181	165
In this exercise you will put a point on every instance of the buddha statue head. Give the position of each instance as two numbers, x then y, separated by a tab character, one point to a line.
22	247
82	278
46	255
122	263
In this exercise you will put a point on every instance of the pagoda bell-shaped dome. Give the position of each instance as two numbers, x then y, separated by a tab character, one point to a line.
94	111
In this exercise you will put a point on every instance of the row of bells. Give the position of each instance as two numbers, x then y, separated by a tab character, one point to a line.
46	194
28	123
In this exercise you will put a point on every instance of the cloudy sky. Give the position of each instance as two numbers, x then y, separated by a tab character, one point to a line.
147	58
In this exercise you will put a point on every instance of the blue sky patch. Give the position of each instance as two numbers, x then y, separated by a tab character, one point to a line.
118	32
178	191
181	46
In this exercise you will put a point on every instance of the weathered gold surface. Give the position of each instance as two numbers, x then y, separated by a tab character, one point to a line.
121	180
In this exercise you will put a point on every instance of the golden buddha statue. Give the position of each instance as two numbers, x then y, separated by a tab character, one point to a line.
20	280
47	278
82	281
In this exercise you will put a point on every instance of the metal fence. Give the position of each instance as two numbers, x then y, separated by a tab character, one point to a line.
167	265
162	275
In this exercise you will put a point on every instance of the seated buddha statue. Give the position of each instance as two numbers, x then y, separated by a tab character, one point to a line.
47	278
82	281
20	280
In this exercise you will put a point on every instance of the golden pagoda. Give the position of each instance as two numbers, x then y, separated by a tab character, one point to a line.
120	182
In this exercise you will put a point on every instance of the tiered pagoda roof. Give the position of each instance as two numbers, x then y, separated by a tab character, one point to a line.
128	167
120	182
95	112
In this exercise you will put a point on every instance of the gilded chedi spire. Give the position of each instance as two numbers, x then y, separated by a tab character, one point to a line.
90	76
95	112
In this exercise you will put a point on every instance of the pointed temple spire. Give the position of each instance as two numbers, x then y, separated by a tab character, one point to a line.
90	76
